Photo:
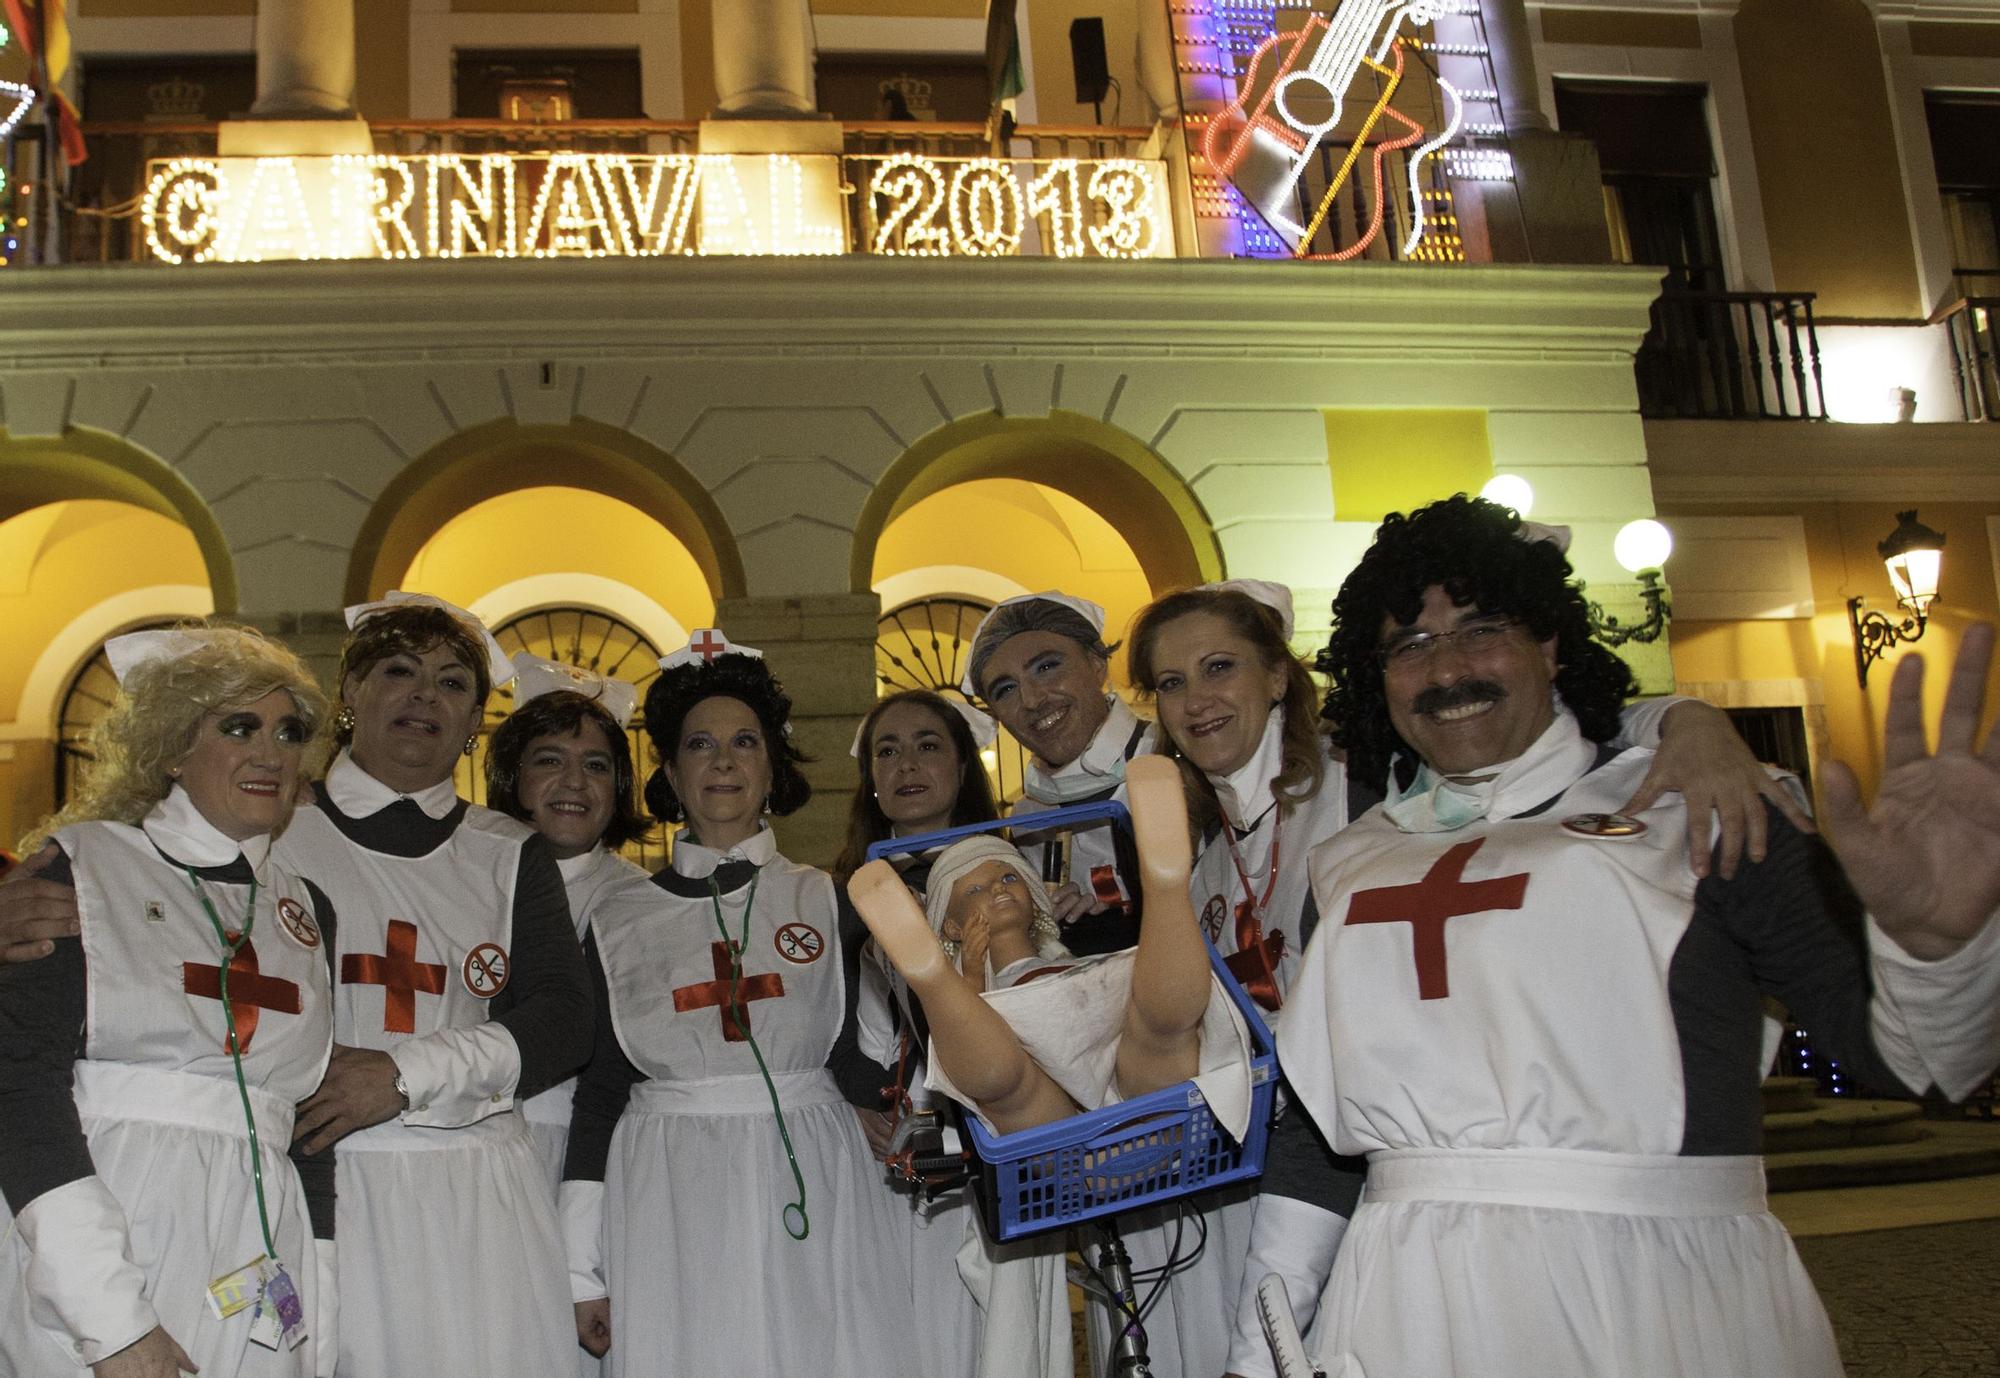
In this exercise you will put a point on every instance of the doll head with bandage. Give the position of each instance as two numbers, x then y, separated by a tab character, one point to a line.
983	881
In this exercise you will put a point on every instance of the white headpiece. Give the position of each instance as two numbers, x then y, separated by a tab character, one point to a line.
1557	536
498	668
535	677
1273	595
140	648
984	730
704	646
1082	607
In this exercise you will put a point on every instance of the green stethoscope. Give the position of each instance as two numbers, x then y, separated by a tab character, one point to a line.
795	1211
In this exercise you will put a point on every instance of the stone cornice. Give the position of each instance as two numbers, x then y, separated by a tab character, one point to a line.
133	315
1750	463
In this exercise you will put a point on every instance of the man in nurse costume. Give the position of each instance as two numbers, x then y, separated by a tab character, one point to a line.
1543	1031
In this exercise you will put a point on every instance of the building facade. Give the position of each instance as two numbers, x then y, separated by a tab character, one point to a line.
839	423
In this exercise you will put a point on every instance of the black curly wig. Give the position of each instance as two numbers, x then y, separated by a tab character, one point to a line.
1473	549
744	678
563	713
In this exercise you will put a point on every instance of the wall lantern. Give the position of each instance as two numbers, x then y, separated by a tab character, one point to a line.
1641	547
1914	555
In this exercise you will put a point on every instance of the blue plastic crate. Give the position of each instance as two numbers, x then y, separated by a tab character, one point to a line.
1142	1152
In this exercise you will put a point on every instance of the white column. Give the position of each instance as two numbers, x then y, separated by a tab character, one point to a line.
305	59
1155	42
763	59
1512	46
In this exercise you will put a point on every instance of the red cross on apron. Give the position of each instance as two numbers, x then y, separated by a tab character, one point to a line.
249	992
769	986
1428	903
399	973
708	643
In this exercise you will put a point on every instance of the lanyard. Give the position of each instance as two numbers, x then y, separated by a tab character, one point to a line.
1257	906
742	1018
230	949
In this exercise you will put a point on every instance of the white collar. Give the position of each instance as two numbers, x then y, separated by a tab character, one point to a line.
1102	762
1245	794
184	833
574	868
697	862
358	794
1558	759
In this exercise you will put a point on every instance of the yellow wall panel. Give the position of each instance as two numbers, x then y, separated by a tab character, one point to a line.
1045	40
545	6
1384	460
382	58
538	531
166	9
1955	40
697	61
1621	28
1828	168
904	9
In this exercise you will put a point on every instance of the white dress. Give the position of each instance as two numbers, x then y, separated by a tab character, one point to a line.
689	1229
1546	1040
450	1246
92	1265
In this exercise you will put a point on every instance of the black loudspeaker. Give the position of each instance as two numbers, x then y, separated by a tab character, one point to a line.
1086	58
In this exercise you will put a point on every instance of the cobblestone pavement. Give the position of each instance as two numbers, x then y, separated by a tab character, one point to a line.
1917	1303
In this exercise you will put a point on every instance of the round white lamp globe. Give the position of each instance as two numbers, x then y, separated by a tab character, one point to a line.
1510	490
1643	544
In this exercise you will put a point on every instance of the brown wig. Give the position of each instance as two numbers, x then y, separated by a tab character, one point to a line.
748	680
411	630
563	713
1302	768
867	823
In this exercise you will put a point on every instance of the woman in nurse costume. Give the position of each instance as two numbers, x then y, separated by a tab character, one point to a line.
154	1061
461	991
562	764
723	1211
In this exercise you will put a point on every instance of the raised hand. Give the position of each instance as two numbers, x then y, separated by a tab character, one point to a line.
1925	857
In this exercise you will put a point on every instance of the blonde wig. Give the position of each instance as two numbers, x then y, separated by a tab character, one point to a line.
155	720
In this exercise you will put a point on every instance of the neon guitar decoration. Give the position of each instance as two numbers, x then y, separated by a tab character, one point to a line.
1273	109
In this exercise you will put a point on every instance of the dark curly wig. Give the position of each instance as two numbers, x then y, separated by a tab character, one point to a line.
563	713
1472	548
744	678
411	630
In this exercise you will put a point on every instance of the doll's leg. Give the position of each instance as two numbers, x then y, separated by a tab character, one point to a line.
971	1041
1161	1040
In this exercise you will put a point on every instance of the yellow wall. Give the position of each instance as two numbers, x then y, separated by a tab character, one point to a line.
1840	545
1385	460
697	61
382	59
1045	42
1955	40
1025	532
537	531
908	9
1827	167
57	562
1621	28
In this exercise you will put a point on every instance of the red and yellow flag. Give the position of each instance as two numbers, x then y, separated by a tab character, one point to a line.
42	26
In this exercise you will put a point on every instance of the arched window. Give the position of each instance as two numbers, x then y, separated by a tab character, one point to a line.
88	699
925	644
597	642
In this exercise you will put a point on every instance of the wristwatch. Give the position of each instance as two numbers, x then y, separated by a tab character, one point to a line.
403	1090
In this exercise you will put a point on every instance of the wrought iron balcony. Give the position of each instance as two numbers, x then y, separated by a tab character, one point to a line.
1731	356
1975	355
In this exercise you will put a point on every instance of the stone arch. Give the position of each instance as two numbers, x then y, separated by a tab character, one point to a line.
85	463
506	456
1094	462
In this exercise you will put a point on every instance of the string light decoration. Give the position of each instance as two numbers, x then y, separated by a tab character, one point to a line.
22	96
985	204
181	200
581	205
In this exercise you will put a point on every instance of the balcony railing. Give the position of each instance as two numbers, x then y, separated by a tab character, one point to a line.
100	216
1975	355
1732	355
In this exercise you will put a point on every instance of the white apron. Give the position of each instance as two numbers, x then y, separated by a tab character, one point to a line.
1484	1013
157	1095
448	1239
702	1274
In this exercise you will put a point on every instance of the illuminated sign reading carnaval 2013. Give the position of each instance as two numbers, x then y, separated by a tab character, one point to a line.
600	205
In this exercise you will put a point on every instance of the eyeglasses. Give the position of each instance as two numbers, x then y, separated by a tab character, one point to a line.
1477	638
